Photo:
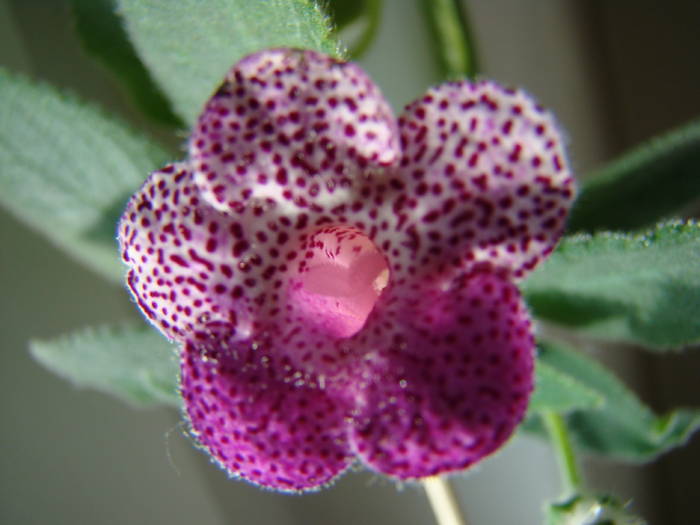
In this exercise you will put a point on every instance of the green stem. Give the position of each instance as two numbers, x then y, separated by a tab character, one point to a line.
561	441
374	15
451	38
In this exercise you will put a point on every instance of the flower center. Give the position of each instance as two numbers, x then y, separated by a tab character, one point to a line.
339	280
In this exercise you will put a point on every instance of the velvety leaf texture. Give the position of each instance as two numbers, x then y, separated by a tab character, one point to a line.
623	427
103	36
133	363
654	181
642	289
67	170
189	48
561	392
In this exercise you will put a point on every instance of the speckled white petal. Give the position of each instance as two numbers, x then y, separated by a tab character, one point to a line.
297	127
487	169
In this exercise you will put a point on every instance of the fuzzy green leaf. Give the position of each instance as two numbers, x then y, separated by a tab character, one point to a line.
103	35
189	45
622	427
642	289
559	392
67	169
654	181
133	363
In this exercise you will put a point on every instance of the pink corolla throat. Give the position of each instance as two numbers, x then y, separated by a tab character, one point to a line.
339	281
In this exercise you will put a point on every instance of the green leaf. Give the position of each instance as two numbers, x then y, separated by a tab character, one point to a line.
651	182
642	289
345	12
559	392
622	427
189	45
133	363
103	35
67	169
357	23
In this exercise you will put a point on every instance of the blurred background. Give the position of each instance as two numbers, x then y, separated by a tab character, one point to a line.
615	73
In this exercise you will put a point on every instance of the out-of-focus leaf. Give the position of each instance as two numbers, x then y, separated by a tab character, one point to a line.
67	169
189	45
357	23
651	182
345	12
133	363
622	427
557	391
102	33
642	289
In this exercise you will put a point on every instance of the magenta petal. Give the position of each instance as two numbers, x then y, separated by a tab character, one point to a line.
276	434
488	168
290	126
453	384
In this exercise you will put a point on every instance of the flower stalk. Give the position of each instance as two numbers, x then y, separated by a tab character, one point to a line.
443	501
570	473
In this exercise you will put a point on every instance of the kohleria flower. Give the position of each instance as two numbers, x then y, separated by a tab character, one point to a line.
342	283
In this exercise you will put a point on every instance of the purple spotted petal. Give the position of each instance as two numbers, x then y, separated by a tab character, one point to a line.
290	126
259	276
327	283
452	385
192	268
276	434
488	169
